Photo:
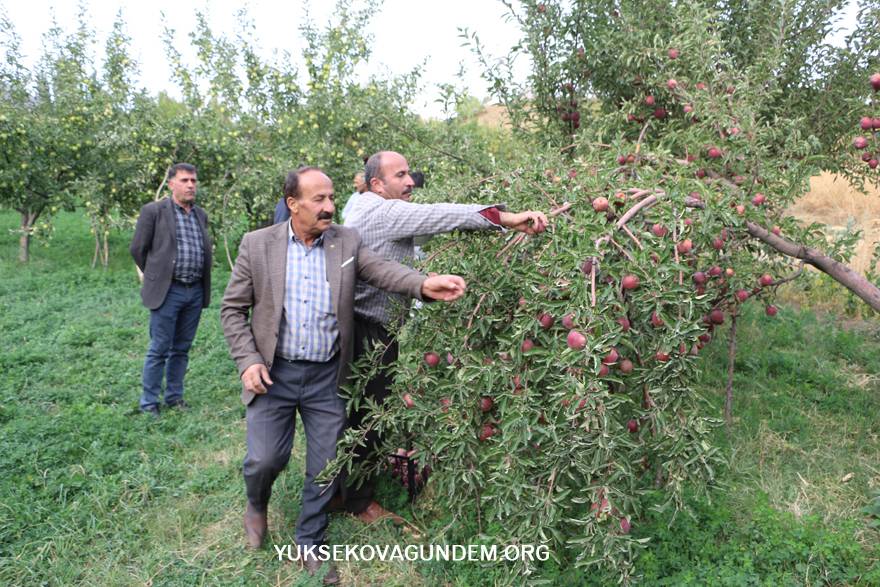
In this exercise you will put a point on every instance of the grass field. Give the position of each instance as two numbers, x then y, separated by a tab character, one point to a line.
92	493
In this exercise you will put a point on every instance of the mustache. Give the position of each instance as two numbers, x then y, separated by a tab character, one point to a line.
325	216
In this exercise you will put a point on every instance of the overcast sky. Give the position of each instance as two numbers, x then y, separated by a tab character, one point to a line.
405	33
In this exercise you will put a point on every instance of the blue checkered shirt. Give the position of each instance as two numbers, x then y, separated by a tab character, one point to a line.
309	330
190	246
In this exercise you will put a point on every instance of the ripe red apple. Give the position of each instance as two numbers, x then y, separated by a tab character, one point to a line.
729	272
521	302
673	53
576	340
449	359
660	113
527	345
700	173
742	295
671	84
546	321
716	316
624	323
758	199
717	244
486	404
867	123
875	81
604	371
713	153
700	278
740	209
625	526
611	357
771	310
432	359
705	337
688	108
517	382
600	204
684	247
633	426
872	164
776	230
621	159
572	174
445	402
568	321
860	142
626	366
629	282
661	356
715	271
408	401
875	123
701	86
649	100
688	221
765	280
656	320
587	266
659	230
486	432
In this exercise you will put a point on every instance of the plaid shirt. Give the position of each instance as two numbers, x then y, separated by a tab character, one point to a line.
388	228
310	331
190	246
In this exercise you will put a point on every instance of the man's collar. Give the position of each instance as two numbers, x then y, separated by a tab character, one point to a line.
319	242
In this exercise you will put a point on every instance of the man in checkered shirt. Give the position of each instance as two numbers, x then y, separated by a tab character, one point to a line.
388	222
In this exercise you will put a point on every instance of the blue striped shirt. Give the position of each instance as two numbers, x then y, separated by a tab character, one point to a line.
309	330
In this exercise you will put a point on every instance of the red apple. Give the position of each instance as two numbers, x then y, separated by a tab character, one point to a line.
771	310
715	271
445	402
684	247
716	316
527	345
714	153
742	295
486	404
656	320
875	81
701	86
860	142
600	204
408	401
740	209
626	366
604	371
611	357
758	199
867	123
673	53
546	321
659	230
486	432
633	426
432	359
649	100
568	321
765	280
625	526
671	84
629	282
449	359
624	324
661	356
576	340
700	278
717	244
776	230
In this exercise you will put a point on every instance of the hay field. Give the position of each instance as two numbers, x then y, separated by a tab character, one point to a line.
833	201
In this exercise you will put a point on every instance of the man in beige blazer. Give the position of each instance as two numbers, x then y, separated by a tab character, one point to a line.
288	317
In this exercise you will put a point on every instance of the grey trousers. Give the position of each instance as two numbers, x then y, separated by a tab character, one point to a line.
310	388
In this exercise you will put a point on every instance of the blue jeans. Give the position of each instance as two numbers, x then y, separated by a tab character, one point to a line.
172	330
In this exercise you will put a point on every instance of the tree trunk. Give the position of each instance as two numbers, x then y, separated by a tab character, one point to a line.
24	241
731	359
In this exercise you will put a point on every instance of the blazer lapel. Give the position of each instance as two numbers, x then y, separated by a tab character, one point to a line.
170	220
276	261
332	259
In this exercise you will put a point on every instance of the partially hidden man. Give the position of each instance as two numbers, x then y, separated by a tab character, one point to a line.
288	317
172	247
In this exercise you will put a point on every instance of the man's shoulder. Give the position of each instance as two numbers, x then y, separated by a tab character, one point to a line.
154	206
344	232
364	206
266	233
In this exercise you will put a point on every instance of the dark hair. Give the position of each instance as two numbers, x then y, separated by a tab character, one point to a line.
418	179
172	171
373	168
291	184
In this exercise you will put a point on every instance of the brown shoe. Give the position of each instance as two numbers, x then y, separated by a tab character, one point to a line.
313	565
376	512
255	526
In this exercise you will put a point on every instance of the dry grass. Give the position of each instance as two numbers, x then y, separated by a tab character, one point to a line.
834	202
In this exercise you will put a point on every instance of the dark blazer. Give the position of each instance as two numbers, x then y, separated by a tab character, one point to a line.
256	291
154	248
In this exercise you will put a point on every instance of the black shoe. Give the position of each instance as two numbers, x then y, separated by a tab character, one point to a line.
152	410
179	404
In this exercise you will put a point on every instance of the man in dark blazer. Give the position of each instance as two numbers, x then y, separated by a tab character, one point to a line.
172	247
288	316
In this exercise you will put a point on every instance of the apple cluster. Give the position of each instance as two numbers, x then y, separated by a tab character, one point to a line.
871	126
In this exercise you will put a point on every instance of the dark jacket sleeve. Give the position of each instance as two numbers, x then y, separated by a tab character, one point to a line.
142	241
282	212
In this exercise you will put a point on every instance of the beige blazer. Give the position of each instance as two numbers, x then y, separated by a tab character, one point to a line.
256	287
